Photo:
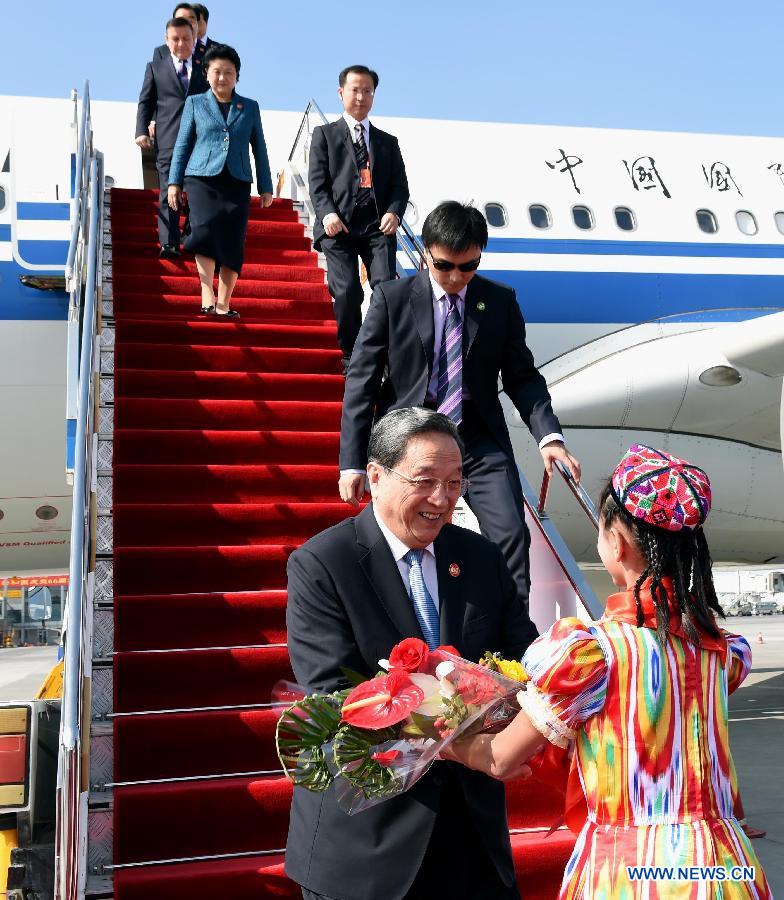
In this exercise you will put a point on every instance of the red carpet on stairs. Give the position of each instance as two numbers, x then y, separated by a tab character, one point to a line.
225	460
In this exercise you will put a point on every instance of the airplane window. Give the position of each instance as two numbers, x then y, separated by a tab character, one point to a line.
746	221
707	221
540	216
496	215
583	217
779	217
2	198
624	218
412	213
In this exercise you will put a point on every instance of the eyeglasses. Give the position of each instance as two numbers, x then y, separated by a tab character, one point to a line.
426	485
444	265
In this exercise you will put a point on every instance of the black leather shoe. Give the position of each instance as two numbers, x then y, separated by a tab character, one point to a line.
169	251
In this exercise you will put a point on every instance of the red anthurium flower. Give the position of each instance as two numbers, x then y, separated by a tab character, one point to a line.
386	757
448	648
382	701
410	654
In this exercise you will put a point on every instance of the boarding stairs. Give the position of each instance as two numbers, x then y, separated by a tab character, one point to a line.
209	453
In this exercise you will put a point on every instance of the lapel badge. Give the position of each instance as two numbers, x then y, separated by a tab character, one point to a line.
454	570
239	106
481	306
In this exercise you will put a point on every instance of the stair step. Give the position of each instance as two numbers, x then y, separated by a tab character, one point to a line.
160	384
180	679
168	570
213	333
202	357
228	484
256	617
228	414
224	524
128	286
170	447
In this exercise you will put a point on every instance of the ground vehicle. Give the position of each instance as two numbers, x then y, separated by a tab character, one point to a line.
765	606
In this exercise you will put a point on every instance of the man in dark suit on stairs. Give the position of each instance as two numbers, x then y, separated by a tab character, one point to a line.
443	338
399	570
167	82
357	182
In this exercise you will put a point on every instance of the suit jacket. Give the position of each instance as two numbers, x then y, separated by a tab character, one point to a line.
161	99
206	143
398	334
347	607
333	176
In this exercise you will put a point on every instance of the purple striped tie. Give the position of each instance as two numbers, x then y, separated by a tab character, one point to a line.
450	364
183	76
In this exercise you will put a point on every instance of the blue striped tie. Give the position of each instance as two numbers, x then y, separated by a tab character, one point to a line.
450	364
424	608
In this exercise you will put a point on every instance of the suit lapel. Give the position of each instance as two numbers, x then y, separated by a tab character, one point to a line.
379	566
171	73
212	106
449	566
343	125
376	147
473	315
237	105
421	301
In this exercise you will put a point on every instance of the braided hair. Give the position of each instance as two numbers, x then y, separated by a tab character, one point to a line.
682	556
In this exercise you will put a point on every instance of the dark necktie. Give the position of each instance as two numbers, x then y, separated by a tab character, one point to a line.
450	364
364	195
183	76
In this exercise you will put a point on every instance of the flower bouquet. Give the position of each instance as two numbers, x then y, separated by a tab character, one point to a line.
376	740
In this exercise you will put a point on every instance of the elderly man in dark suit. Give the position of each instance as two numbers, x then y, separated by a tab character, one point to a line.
443	337
399	570
357	182
167	82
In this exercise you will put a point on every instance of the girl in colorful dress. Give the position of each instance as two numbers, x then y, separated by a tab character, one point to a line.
642	697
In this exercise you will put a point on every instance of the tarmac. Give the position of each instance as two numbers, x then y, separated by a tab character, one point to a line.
756	714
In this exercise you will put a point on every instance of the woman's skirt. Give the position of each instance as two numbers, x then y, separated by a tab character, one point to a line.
218	217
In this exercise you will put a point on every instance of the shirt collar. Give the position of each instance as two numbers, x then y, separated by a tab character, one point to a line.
439	293
351	122
398	548
177	62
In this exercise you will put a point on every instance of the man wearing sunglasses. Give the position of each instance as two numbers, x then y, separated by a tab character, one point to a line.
442	338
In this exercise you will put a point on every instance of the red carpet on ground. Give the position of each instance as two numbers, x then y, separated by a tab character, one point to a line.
225	460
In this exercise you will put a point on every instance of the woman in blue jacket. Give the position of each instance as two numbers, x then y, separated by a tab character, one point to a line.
211	163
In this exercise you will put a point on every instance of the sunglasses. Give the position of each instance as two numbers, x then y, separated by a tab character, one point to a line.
443	265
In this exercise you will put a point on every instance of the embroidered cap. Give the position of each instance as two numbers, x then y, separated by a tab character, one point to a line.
662	490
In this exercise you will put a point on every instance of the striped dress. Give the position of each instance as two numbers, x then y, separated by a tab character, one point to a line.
649	726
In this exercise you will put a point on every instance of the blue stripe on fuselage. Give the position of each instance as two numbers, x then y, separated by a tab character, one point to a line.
19	302
631	297
589	247
43	212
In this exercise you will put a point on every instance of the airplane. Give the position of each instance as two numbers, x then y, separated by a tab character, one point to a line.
649	267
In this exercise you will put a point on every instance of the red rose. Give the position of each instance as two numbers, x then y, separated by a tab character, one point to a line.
410	654
476	688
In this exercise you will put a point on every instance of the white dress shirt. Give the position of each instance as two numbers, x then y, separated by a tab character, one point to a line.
365	123
399	550
178	63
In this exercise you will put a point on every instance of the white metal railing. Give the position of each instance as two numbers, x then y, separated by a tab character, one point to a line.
83	272
407	241
75	266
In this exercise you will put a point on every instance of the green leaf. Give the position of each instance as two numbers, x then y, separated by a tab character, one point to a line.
353	677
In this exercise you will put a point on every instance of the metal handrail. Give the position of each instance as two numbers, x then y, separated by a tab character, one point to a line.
80	190
550	533
407	240
578	491
70	838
